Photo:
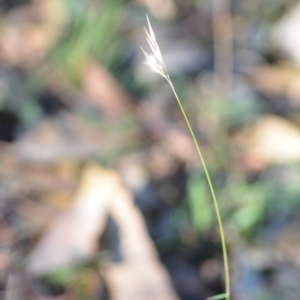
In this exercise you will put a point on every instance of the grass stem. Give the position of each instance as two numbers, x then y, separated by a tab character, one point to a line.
225	296
155	62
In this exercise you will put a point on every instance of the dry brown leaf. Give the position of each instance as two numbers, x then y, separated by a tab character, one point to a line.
180	145
25	43
19	178
104	90
35	212
73	236
59	199
160	163
63	136
161	9
270	140
293	92
139	275
275	79
285	32
8	239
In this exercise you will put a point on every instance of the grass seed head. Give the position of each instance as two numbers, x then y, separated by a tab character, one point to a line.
154	60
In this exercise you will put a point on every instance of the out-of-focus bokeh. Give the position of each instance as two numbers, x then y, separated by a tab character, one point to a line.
102	195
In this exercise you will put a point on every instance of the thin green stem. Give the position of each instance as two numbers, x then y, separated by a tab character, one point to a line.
225	296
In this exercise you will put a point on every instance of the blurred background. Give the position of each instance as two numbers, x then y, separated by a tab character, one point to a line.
102	195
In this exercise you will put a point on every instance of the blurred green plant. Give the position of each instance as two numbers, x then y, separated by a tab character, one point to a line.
248	206
199	205
91	33
75	278
70	278
251	203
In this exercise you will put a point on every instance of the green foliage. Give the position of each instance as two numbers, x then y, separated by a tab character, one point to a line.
64	276
251	201
199	203
239	111
91	33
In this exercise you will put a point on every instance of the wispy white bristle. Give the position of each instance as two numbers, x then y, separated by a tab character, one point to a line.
154	59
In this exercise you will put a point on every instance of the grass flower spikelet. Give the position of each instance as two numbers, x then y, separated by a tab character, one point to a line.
154	60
